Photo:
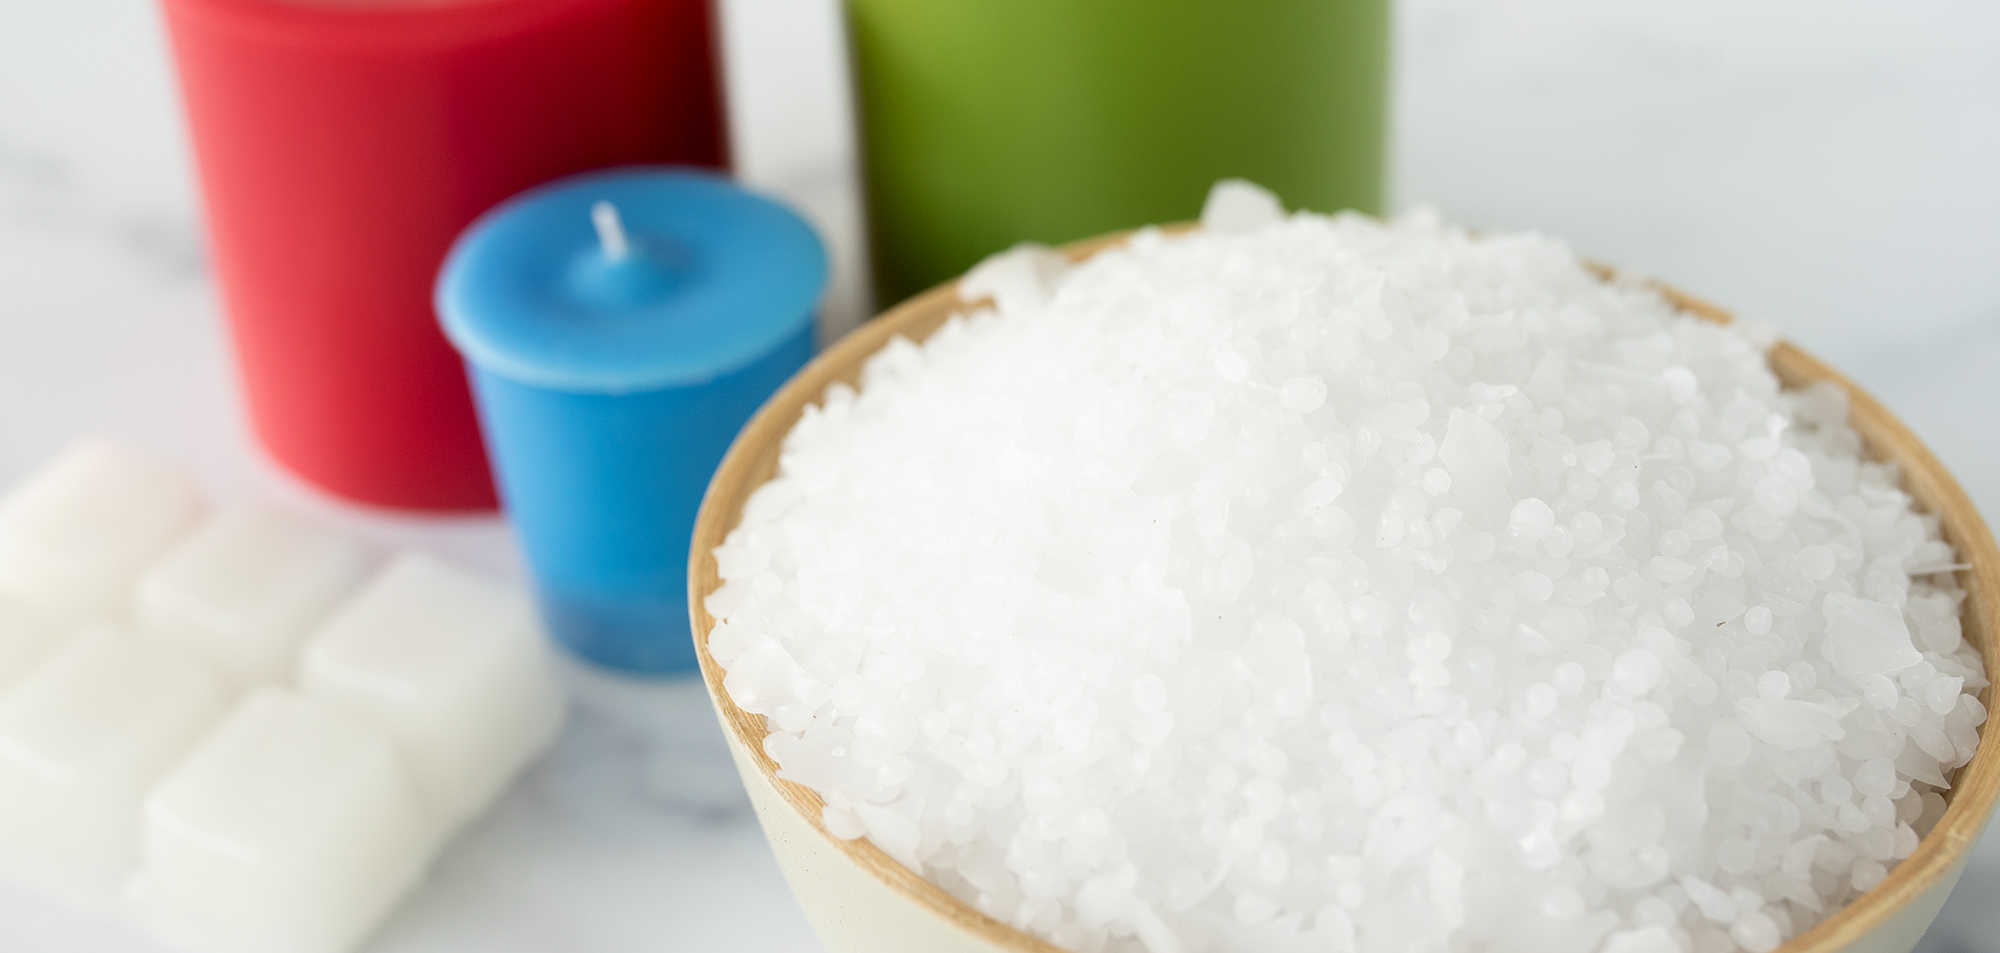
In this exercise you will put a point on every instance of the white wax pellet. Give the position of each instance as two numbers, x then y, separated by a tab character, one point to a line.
1017	277
1651	938
25	636
1531	519
75	533
1636	671
456	669
245	588
82	736
293	826
1236	206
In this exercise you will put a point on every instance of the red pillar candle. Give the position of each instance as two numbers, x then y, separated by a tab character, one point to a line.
343	146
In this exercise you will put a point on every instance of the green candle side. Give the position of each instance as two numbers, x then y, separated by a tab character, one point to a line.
988	122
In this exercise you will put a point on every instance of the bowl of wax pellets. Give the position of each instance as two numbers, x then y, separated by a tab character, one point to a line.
1291	582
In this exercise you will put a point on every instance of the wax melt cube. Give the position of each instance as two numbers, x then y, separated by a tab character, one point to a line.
245	588
25	636
291	827
75	534
453	666
82	736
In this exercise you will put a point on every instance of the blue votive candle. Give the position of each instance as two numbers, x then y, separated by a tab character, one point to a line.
620	327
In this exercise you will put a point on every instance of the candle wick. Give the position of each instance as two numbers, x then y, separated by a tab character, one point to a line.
610	231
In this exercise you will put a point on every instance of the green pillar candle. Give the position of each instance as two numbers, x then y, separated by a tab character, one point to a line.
989	122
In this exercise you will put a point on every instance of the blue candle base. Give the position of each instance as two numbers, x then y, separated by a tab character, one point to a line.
632	635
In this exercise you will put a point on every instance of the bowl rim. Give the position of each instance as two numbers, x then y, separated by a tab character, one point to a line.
1970	798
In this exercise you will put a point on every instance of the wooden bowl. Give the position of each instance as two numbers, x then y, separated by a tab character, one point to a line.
861	901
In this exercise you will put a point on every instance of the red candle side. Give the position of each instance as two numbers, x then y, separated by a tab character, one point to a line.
341	149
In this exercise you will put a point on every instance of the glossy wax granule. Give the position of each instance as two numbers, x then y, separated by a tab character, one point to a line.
1324	584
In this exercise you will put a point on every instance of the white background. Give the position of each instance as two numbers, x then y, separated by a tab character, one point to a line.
1829	166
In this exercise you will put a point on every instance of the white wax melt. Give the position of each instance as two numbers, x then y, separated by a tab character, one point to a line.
293	827
456	669
75	534
82	736
245	588
297	823
25	636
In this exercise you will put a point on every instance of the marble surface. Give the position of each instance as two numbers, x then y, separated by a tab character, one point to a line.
1823	165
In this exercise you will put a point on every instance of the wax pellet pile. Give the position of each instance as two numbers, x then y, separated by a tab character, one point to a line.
1309	583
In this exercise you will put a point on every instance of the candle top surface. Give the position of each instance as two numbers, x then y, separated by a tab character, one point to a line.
628	280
